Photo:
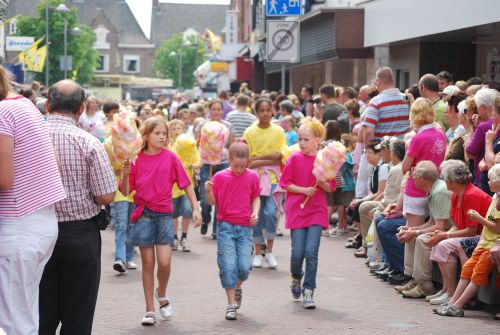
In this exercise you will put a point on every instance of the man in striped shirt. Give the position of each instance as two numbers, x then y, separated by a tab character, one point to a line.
239	118
387	114
70	281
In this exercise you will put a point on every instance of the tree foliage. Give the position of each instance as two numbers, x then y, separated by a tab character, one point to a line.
80	47
166	64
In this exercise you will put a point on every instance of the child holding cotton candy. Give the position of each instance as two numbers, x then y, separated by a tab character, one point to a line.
307	223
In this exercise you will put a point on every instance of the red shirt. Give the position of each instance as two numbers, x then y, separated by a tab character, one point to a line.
473	198
234	195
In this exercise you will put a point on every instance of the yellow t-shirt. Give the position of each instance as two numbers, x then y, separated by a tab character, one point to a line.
265	141
119	195
489	237
194	160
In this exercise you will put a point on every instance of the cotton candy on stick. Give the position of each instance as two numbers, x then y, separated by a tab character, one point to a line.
125	141
212	140
328	162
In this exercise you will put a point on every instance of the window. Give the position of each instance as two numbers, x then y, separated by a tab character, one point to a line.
102	64
403	79
131	64
13	27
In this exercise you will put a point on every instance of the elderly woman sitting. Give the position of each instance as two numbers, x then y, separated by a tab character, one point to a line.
477	269
449	246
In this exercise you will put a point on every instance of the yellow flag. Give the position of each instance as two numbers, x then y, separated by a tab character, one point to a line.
26	57
214	40
38	60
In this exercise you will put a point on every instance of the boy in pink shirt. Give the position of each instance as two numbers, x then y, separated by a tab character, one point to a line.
236	192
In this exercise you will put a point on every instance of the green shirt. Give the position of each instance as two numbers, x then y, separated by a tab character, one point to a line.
439	108
440	203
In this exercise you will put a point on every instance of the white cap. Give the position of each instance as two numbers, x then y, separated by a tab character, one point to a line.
449	90
462	107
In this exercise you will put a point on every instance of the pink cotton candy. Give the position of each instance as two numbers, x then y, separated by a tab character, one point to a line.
213	138
329	160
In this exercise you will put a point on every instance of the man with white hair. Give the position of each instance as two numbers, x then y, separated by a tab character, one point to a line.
484	99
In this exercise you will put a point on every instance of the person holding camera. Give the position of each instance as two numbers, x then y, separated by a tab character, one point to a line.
70	281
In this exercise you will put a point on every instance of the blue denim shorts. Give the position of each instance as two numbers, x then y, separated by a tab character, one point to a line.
234	253
152	228
182	207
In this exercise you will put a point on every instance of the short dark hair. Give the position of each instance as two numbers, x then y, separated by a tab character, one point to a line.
68	100
445	75
474	81
413	89
350	92
398	149
373	145
309	89
333	130
108	106
328	90
242	100
430	82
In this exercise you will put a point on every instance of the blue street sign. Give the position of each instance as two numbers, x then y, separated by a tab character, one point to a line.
283	7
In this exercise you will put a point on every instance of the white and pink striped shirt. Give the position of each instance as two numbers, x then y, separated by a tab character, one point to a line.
37	181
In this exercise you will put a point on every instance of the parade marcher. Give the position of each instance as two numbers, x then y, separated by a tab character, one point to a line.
30	184
70	282
152	176
306	223
267	142
236	192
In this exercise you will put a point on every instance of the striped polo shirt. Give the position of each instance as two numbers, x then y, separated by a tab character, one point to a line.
37	181
240	121
388	114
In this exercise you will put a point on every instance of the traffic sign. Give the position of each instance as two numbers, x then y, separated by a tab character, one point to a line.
282	42
283	8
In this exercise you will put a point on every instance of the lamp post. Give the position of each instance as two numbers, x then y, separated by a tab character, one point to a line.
174	54
63	9
47	43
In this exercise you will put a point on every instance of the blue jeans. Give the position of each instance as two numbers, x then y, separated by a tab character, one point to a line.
234	253
206	208
394	250
267	219
120	215
305	244
152	228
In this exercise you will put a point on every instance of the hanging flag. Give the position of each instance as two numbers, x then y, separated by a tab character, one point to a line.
26	57
213	41
38	60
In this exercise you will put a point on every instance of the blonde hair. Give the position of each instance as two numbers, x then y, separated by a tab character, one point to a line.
422	113
5	85
471	105
172	124
314	126
148	127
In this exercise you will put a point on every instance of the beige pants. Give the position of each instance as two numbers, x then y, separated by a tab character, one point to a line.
365	218
417	259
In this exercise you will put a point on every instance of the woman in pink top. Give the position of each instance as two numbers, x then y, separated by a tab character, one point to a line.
30	185
152	176
428	144
236	192
306	224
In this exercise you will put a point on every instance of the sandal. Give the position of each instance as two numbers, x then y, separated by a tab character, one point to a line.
149	319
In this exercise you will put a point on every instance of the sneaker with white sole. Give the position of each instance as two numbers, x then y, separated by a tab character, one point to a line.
434	296
185	245
149	319
271	261
131	265
119	266
238	296
451	311
257	261
442	299
296	288
176	244
231	312
308	302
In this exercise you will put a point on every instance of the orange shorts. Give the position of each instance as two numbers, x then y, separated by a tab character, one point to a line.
478	268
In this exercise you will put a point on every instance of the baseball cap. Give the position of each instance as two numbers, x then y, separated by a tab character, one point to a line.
449	90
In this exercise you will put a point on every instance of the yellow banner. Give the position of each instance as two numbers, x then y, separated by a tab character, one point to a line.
38	60
27	57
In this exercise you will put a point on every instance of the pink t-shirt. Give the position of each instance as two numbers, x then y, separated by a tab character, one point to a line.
298	171
234	195
428	145
37	181
152	177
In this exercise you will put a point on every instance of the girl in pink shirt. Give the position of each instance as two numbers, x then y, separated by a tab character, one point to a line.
236	192
306	224
152	176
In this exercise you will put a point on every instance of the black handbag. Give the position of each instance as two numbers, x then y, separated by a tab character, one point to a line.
103	219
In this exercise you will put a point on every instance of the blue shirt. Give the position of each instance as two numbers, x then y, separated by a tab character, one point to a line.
291	137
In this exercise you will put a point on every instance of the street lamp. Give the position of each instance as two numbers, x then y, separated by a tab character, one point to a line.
174	54
63	9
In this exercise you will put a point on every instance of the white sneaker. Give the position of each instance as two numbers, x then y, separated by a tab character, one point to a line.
434	296
271	261
119	266
308	302
131	265
257	261
443	299
148	319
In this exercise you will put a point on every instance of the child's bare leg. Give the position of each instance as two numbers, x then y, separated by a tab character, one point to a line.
148	269
469	293
269	245
164	256
342	217
461	287
230	293
176	225
185	225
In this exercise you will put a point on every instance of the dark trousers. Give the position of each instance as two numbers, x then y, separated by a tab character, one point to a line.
70	281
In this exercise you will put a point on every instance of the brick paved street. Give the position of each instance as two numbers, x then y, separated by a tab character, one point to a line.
349	300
